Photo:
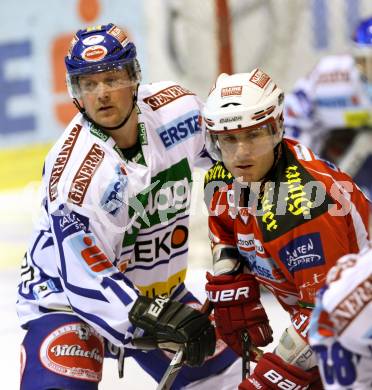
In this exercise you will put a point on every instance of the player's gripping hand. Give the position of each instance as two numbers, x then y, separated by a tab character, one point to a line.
170	324
237	306
272	372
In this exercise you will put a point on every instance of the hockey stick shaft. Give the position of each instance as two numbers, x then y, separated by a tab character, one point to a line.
247	346
172	371
246	361
177	361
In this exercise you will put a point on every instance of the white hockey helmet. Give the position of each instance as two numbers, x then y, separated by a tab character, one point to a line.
243	102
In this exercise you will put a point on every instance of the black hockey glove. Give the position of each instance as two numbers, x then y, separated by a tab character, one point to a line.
170	324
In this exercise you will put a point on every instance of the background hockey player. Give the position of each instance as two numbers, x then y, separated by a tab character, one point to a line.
114	224
330	110
278	217
341	324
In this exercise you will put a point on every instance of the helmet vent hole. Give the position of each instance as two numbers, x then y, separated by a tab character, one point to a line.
263	113
230	104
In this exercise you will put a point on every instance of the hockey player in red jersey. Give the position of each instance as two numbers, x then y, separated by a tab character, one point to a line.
279	217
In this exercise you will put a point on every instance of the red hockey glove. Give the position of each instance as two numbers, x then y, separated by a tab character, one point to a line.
237	306
272	372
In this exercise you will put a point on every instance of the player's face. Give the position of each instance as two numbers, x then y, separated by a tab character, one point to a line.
248	155
107	96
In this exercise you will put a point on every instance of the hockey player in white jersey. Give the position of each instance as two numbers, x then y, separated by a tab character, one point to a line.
330	110
341	324
111	244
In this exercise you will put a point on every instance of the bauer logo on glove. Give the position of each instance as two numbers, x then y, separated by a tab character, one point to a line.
237	307
228	295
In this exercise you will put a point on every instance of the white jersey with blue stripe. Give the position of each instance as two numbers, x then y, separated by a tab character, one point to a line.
341	324
112	228
332	96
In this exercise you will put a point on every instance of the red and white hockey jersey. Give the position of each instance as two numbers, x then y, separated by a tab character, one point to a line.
341	324
308	215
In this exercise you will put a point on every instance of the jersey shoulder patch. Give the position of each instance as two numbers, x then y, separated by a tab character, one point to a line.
163	94
61	160
72	164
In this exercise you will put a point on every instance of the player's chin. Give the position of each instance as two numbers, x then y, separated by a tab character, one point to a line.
245	175
108	120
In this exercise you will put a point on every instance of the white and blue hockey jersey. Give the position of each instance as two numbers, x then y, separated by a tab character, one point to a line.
341	324
330	111
112	228
331	96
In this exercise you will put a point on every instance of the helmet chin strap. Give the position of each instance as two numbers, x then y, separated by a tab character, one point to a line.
109	128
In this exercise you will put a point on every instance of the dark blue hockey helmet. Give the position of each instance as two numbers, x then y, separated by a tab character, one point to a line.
100	49
363	33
